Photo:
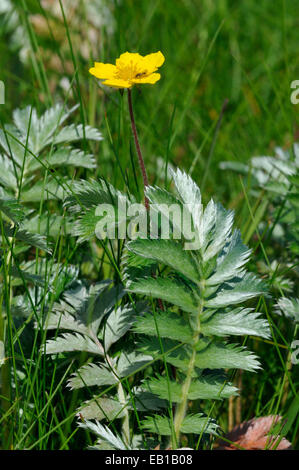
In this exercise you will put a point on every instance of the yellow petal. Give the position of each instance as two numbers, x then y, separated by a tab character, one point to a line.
151	62
128	58
153	78
103	70
117	83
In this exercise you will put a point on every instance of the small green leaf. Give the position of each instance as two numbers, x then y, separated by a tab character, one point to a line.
192	424
11	208
168	252
118	323
91	375
165	324
166	289
72	342
236	292
215	355
102	408
235	322
129	363
73	133
230	263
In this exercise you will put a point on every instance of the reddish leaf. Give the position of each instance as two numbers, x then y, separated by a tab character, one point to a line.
254	435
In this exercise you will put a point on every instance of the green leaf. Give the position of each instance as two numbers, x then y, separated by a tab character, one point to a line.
117	324
102	408
83	309
230	263
165	324
208	277
48	224
91	375
164	389
73	133
66	156
168	252
198	424
187	188
62	319
24	274
192	424
22	120
235	322
160	197
48	125
191	198
175	353
85	226
146	401
129	363
88	194
289	308
52	190
162	202
236	292
211	387
21	306
9	140
7	173
105	434
33	239
137	266
11	208
216	238
215	355
166	289
206	388
72	342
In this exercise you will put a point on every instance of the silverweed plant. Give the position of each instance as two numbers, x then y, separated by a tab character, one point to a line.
202	290
199	293
35	155
185	334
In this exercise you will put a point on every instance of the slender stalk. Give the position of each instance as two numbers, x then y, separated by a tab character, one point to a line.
123	402
137	145
141	162
182	406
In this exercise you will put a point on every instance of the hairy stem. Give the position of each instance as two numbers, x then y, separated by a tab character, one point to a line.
182	407
137	145
122	400
141	162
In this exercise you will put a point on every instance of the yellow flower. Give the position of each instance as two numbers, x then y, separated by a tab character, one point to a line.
129	69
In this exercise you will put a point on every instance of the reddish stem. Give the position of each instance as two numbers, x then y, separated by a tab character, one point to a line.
141	164
137	145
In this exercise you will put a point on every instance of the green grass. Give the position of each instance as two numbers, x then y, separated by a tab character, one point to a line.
246	52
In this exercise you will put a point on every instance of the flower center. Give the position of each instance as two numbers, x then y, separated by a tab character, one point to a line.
129	72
